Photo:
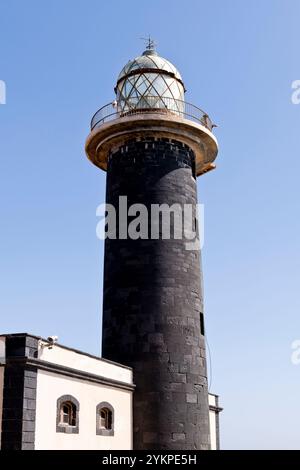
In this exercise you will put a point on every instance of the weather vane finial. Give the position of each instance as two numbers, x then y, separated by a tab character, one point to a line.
150	43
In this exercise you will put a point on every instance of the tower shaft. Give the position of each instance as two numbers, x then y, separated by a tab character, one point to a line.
153	305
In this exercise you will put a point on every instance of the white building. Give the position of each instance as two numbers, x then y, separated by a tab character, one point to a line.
55	397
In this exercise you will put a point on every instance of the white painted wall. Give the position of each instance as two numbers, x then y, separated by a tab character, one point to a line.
2	348
50	386
69	358
212	422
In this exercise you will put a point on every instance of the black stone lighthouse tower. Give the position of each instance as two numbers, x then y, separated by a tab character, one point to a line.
153	145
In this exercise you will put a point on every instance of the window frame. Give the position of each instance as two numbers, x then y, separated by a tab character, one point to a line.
67	413
100	431
67	428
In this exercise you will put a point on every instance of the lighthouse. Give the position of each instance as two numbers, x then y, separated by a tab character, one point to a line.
153	144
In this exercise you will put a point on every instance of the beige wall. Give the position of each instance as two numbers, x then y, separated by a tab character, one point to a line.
50	386
2	348
98	366
212	422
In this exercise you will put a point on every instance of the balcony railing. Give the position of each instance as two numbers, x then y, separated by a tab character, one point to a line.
150	104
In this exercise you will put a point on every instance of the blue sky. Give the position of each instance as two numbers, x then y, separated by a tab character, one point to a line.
60	60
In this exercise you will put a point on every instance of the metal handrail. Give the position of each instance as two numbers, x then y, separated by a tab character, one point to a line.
150	104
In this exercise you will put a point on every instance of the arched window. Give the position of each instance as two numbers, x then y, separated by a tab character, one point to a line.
104	419
67	415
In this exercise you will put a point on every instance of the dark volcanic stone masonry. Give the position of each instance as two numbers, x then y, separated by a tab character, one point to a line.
153	301
19	394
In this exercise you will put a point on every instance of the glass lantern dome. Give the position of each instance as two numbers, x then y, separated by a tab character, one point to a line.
148	82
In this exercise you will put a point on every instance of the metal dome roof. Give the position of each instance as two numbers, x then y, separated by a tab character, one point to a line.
149	60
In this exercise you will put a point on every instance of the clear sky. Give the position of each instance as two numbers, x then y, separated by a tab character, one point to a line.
60	60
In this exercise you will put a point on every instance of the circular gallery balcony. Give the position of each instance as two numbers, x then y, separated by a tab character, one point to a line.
157	116
150	104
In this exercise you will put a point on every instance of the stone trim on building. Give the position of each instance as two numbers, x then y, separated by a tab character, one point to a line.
67	428
19	394
105	432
